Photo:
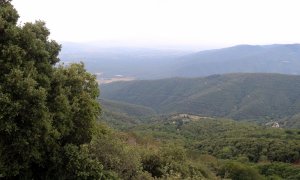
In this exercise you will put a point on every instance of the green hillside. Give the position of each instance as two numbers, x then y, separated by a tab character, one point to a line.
126	108
256	97
122	115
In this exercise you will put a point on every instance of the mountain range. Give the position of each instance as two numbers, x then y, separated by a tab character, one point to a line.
284	58
145	63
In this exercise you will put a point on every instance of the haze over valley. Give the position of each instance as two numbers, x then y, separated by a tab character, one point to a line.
257	83
146	63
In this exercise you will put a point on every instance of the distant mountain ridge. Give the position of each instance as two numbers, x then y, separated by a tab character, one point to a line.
156	64
278	58
255	97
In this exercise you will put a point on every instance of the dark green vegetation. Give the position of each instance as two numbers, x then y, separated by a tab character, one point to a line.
47	112
123	115
155	64
227	139
49	127
216	148
255	97
126	108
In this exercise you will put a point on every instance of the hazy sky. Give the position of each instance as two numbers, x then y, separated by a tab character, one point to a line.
166	22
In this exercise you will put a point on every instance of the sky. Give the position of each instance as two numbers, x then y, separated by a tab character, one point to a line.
211	23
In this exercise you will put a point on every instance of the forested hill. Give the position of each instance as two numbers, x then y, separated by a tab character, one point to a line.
238	96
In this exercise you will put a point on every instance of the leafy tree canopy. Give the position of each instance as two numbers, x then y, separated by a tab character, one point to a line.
47	111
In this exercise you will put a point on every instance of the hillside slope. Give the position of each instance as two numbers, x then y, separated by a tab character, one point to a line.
283	58
126	108
259	97
120	115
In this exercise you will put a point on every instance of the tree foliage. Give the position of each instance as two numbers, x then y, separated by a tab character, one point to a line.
238	171
116	156
47	112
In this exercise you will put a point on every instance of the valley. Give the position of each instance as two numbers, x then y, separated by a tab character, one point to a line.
155	63
149	90
237	126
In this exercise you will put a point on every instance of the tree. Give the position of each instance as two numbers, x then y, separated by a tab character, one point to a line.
239	171
47	112
116	156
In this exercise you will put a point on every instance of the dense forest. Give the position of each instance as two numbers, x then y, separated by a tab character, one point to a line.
51	126
242	96
224	148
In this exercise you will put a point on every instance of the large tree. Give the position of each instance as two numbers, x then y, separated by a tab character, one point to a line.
47	111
